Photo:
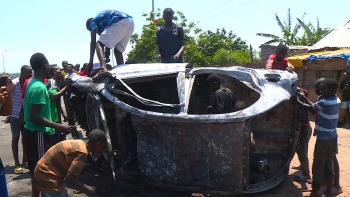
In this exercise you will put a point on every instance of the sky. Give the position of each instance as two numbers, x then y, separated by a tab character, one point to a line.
57	28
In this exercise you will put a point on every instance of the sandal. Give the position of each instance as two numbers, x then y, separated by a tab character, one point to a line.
18	170
296	167
302	178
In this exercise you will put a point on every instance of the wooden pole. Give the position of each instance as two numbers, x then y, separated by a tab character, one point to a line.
251	54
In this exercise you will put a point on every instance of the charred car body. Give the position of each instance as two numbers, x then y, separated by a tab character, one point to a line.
161	133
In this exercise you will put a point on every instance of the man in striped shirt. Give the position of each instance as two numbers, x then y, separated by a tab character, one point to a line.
65	160
327	109
15	122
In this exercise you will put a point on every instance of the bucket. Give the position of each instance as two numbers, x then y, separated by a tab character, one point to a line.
3	186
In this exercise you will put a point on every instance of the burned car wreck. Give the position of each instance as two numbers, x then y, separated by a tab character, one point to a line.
161	134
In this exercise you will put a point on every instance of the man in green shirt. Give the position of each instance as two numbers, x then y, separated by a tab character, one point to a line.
55	93
37	116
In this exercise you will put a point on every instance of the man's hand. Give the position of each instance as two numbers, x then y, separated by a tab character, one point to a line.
89	189
159	57
176	57
3	95
63	129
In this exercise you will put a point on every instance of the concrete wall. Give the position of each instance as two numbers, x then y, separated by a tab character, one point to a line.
267	50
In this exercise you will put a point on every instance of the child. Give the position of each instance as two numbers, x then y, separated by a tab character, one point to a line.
327	109
278	61
336	185
224	101
345	104
170	39
65	160
303	144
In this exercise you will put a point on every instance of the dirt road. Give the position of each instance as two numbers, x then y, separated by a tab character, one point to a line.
20	185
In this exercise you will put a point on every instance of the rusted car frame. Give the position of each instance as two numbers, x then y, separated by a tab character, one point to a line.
161	134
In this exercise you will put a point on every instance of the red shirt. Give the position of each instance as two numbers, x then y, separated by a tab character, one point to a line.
83	73
273	63
26	83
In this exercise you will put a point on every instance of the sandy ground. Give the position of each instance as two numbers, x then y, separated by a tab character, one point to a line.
19	185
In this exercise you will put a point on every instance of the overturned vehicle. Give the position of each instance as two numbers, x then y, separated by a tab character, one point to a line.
161	133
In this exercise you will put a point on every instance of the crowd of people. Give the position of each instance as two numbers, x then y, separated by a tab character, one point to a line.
34	103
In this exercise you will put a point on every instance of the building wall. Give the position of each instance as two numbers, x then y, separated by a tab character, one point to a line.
267	50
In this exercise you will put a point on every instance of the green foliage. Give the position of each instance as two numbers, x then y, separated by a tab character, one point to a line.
202	47
229	58
310	36
289	35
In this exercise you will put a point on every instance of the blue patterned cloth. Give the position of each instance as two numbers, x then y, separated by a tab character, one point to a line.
106	18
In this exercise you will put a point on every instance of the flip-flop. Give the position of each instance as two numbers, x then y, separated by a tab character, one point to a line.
336	191
302	178
296	167
18	170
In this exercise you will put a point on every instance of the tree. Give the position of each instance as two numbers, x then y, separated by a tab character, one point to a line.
144	46
207	47
311	34
203	47
289	35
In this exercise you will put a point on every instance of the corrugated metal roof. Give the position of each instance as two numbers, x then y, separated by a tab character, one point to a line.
338	38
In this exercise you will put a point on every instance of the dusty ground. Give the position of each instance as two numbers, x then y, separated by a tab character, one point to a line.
20	185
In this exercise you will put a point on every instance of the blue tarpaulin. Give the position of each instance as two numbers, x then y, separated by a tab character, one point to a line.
342	55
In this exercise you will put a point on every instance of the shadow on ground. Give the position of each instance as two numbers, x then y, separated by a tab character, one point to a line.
120	188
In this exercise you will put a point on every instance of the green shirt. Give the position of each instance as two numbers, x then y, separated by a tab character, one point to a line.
36	93
53	106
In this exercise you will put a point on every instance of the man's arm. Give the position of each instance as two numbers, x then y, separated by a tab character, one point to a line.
92	46
58	95
183	43
75	181
158	40
182	49
36	118
269	63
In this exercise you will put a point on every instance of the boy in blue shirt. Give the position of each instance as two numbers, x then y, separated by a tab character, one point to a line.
115	29
327	109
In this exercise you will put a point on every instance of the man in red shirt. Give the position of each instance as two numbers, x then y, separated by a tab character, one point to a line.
26	83
278	61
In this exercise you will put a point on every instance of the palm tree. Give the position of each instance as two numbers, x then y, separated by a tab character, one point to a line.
311	34
289	35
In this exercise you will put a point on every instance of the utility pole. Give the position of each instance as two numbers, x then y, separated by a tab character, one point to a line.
153	9
3	60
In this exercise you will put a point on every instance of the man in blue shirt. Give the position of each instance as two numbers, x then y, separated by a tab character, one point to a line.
327	109
115	29
170	40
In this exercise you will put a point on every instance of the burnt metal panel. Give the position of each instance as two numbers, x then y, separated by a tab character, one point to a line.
206	155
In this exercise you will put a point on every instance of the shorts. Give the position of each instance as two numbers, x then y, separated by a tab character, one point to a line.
60	194
36	143
15	124
322	166
345	104
117	35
